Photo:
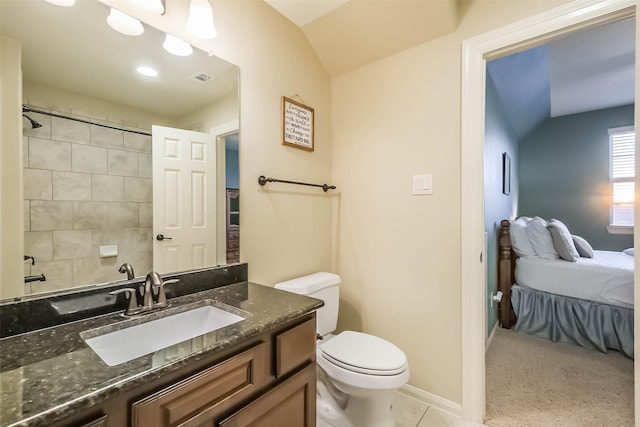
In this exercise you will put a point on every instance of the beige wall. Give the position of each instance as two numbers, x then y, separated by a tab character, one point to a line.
222	111
398	254
11	205
42	96
286	231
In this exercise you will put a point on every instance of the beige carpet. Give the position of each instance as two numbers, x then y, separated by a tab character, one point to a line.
531	381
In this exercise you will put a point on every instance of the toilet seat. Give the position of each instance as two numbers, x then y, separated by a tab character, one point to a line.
365	354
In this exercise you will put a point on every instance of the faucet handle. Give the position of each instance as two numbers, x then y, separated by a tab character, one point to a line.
130	295
162	296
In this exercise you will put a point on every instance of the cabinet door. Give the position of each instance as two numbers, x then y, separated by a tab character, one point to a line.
199	399
295	347
290	404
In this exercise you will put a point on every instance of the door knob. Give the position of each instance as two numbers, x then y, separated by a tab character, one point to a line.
160	237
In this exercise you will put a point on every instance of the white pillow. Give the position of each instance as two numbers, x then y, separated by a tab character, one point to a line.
540	238
562	241
584	248
629	251
519	238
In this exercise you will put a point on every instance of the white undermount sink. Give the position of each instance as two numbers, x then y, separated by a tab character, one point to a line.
130	342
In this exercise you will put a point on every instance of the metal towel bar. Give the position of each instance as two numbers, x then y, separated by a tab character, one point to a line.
262	180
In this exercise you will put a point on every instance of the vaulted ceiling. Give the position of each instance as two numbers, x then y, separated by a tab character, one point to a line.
347	34
583	71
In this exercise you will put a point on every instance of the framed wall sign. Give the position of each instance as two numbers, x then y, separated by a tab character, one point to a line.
297	124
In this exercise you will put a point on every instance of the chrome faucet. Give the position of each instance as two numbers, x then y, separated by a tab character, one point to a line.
153	295
127	268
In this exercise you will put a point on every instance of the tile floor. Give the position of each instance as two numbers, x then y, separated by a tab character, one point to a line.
411	412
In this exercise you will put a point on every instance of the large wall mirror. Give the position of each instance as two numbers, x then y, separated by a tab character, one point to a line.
89	190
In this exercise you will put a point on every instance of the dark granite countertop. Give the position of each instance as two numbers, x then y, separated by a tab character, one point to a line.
48	374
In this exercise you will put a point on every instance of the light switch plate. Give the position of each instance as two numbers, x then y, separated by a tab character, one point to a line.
422	184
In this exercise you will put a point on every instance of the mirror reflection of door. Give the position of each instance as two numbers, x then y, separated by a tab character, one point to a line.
232	181
184	199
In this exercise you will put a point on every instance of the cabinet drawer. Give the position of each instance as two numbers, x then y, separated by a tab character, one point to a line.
202	397
290	404
295	347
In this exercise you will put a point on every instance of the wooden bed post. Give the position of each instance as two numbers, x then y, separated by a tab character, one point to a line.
506	267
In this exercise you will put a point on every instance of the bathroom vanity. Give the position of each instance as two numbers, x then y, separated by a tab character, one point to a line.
260	368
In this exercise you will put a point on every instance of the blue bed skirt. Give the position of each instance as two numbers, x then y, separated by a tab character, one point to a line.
558	318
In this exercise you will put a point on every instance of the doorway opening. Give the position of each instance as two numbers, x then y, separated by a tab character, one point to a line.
548	109
509	39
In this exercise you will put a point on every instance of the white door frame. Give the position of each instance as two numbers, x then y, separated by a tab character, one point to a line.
219	132
475	51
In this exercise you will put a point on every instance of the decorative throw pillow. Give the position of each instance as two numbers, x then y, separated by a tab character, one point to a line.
519	238
540	238
562	240
584	248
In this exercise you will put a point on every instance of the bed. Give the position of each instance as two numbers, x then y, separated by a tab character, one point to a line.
588	302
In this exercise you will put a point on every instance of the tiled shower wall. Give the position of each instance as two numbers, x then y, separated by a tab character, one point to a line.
85	186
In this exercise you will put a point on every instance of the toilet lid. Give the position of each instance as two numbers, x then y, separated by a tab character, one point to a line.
364	353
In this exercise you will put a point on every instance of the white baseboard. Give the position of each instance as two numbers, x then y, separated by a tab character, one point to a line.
430	399
491	336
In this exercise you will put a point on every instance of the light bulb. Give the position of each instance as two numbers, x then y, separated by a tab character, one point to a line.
176	46
65	3
200	22
154	6
124	23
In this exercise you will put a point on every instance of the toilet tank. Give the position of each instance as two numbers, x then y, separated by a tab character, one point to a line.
323	286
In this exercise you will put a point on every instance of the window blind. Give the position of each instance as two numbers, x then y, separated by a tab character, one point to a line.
622	144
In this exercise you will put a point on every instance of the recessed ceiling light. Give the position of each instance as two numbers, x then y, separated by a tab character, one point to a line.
124	23
147	71
176	46
65	3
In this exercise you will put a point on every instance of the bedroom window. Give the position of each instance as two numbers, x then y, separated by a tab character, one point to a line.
622	145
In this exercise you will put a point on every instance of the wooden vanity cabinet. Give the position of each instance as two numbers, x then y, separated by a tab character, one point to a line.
267	381
273	381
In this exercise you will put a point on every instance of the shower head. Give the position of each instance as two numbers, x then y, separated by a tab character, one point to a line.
34	124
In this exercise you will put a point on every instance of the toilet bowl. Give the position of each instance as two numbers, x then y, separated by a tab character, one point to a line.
358	373
366	369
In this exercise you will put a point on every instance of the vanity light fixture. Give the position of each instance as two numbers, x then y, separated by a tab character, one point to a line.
147	71
65	3
124	23
200	22
176	46
153	6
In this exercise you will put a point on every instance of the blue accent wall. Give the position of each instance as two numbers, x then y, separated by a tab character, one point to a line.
564	173
499	138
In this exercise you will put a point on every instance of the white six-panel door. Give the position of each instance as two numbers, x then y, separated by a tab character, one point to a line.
184	199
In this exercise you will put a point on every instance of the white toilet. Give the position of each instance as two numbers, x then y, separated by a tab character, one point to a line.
358	372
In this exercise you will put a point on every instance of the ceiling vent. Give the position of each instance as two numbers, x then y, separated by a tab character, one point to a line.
201	77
